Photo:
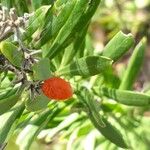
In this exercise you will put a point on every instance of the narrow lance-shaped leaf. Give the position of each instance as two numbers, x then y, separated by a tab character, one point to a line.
118	46
80	27
83	21
9	122
11	52
71	51
64	124
28	134
92	105
109	131
86	66
35	21
37	123
8	92
87	15
48	19
134	66
125	97
9	101
65	32
52	29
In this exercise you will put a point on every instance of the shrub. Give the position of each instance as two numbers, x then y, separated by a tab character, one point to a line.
46	41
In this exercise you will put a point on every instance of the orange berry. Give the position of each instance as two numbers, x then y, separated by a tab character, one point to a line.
57	88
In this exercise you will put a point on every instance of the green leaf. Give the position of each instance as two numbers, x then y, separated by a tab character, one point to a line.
92	106
80	29
125	97
69	120
71	51
86	66
38	103
37	123
52	29
42	69
61	39
9	122
11	52
118	46
134	66
28	134
8	92
104	127
87	15
8	102
35	21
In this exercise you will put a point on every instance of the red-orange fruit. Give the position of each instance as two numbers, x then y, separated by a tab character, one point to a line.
57	88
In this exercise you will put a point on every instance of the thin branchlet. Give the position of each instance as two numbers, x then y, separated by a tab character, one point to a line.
9	21
11	24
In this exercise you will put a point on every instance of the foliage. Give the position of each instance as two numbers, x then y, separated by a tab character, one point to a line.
43	39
